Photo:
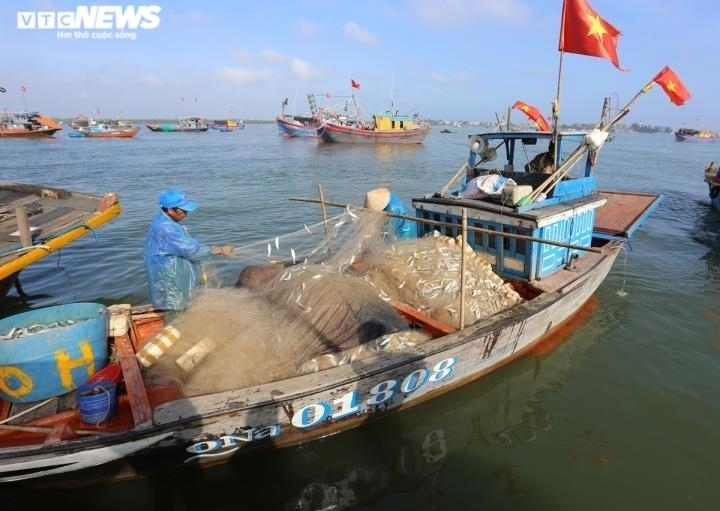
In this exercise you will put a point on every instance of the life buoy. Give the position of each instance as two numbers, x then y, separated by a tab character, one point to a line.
714	192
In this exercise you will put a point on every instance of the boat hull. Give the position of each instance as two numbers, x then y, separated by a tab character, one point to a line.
19	133
292	128
712	179
331	132
112	133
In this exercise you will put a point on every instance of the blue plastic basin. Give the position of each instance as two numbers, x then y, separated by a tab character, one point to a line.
53	361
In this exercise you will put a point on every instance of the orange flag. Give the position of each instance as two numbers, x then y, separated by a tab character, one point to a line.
672	85
534	114
583	31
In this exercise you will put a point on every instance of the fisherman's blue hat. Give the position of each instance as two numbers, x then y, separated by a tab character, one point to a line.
176	199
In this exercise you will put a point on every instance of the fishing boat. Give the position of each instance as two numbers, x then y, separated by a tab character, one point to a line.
385	128
37	221
329	327
191	124
110	129
692	135
291	125
346	124
225	125
298	126
27	125
526	267
712	179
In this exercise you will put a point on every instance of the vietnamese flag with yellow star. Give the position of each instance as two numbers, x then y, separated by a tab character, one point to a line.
534	114
583	31
672	85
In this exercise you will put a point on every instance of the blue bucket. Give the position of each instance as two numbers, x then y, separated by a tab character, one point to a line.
70	346
97	402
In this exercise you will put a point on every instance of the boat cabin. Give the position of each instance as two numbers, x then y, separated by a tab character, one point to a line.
529	225
387	121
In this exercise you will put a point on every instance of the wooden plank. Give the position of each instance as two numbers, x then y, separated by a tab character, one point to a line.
134	384
431	325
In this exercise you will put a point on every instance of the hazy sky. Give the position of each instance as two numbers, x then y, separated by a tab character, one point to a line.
442	59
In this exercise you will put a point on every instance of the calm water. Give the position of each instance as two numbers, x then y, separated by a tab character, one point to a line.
623	415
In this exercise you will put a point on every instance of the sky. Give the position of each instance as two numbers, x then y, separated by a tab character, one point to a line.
441	59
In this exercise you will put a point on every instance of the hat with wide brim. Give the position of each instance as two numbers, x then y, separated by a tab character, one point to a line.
377	199
176	199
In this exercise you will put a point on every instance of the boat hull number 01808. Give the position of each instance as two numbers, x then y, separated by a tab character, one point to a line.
345	406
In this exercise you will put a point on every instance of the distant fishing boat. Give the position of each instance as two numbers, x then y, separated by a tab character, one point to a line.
290	125
385	127
692	135
27	125
183	125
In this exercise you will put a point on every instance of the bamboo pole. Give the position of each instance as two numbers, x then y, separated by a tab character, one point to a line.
46	429
324	215
448	224
462	268
561	171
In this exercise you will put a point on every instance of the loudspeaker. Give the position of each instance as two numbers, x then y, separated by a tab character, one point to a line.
477	145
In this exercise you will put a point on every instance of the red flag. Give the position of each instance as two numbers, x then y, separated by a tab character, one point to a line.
534	114
354	84
672	85
23	88
583	31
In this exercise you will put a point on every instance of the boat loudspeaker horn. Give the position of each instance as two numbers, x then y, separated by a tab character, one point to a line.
477	144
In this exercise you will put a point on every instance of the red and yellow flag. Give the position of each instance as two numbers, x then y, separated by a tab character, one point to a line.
534	114
583	31
672	85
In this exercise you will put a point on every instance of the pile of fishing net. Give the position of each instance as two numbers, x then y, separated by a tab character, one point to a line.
425	274
323	297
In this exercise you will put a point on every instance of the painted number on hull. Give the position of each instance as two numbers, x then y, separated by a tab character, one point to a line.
349	404
317	413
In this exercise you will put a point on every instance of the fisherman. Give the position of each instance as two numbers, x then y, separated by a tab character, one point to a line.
172	256
543	163
381	199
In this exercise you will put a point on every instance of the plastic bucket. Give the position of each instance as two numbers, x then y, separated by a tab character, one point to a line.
69	343
97	402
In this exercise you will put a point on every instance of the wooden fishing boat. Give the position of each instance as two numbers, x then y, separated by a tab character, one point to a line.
693	135
27	125
225	125
545	258
191	124
298	126
344	323
385	128
116	129
346	124
37	221
712	179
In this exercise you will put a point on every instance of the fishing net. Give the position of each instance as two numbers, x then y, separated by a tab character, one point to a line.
321	297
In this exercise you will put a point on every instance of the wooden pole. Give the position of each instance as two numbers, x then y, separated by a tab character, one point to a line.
462	268
324	215
23	226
